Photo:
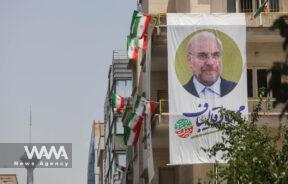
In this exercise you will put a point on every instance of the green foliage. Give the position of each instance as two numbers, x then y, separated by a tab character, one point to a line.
250	151
279	70
253	153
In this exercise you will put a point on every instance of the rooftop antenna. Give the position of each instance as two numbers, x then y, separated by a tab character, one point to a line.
24	158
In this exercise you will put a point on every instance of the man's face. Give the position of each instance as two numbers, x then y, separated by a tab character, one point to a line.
204	58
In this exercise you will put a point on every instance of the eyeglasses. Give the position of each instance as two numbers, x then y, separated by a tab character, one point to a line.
205	55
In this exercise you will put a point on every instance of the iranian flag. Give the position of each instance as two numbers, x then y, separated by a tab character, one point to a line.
134	134
131	136
149	107
133	121
132	128
139	24
133	46
139	105
261	9
126	134
117	103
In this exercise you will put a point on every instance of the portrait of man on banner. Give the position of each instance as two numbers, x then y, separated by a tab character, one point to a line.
204	56
206	71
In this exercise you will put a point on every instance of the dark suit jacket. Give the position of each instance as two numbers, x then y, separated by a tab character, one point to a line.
225	87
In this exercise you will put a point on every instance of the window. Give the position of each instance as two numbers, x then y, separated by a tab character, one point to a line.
274	5
259	78
119	126
249	83
262	78
277	80
121	159
231	6
124	88
256	78
246	6
120	165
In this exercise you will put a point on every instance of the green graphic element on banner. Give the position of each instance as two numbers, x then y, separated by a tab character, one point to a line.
183	128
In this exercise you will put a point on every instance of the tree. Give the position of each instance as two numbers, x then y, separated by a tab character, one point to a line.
279	80
250	151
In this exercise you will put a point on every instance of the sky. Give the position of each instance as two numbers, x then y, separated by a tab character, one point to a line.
54	56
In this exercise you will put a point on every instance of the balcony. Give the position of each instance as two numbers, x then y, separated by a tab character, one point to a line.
264	19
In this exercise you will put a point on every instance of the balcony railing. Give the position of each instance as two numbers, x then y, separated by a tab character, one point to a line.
246	6
266	19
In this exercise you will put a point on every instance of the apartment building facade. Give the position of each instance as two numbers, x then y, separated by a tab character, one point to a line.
95	157
263	48
120	82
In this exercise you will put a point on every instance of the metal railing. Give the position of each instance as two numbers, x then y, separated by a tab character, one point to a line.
246	6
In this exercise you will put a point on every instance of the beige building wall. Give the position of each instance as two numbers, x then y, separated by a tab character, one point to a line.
8	179
284	4
159	83
264	54
161	158
182	6
99	137
195	6
218	6
158	6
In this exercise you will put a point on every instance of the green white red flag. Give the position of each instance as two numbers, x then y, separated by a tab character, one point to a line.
117	103
134	44
149	107
126	134
131	137
133	120
139	105
260	9
143	107
132	128
139	24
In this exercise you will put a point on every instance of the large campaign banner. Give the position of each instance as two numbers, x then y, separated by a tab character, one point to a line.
206	71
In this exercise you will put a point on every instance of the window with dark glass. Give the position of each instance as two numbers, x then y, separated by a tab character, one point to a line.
276	79
249	83
231	6
262	78
246	6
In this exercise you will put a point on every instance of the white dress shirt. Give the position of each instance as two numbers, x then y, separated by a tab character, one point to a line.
212	91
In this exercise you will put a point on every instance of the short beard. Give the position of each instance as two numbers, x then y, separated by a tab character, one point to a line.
207	82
